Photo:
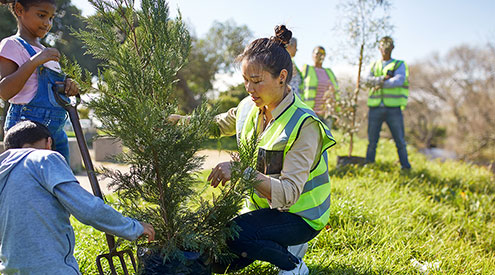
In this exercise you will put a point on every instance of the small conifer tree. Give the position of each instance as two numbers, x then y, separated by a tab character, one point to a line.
142	50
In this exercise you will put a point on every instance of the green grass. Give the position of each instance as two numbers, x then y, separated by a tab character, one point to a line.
383	219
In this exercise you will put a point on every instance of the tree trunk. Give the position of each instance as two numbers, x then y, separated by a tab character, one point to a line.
355	100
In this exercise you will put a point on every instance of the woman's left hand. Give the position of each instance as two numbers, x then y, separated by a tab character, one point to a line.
71	87
221	173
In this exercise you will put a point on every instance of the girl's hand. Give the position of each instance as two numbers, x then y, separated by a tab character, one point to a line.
71	87
221	173
45	55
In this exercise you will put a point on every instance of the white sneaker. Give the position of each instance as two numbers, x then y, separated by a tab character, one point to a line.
301	269
298	250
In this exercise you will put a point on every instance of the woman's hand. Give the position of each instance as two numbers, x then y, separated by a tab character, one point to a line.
221	173
174	118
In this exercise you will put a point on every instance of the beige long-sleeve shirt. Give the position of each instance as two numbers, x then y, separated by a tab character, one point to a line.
300	159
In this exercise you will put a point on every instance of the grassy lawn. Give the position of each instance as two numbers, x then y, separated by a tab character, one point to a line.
439	216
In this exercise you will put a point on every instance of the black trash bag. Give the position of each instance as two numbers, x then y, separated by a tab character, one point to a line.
151	263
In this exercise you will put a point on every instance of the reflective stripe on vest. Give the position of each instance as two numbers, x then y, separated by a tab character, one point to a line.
310	84
313	204
391	97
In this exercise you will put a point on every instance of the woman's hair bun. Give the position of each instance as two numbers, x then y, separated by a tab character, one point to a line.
282	35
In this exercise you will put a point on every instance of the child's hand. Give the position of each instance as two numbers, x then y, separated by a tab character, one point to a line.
71	87
45	55
148	231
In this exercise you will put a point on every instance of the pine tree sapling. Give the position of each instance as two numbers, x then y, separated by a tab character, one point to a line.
142	51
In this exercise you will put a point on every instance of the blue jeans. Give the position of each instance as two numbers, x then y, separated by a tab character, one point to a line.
265	235
393	117
54	120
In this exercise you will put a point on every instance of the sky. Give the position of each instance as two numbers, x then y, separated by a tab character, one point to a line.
422	27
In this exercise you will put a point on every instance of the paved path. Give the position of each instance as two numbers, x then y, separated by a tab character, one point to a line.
213	157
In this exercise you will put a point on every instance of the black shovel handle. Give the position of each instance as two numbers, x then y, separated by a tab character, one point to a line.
71	108
81	141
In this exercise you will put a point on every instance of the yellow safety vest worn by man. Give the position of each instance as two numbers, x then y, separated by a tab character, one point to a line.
389	96
313	204
389	90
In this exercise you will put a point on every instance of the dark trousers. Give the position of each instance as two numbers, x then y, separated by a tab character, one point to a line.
393	117
265	235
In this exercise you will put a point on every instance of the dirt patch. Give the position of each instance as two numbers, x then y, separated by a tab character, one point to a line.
213	157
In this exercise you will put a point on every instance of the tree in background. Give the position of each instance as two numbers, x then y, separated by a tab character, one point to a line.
210	55
69	20
424	121
362	24
459	90
423	116
230	98
9	24
142	53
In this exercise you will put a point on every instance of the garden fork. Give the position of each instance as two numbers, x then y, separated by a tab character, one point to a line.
71	108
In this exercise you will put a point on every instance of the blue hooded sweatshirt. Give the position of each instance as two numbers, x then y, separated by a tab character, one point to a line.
38	193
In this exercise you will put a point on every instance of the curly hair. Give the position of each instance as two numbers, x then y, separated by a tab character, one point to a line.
25	132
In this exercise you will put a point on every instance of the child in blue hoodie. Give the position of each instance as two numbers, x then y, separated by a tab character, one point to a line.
38	193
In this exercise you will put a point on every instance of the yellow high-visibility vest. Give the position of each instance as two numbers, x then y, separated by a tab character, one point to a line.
391	97
314	203
310	84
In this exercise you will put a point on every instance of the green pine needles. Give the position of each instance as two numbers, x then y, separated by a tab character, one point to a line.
142	52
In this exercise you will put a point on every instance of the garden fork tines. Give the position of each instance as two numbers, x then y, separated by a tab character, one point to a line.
114	253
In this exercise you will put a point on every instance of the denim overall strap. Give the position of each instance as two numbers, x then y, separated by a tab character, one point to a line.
43	107
46	81
26	45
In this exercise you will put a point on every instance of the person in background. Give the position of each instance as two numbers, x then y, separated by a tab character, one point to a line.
388	81
38	193
29	71
319	86
296	80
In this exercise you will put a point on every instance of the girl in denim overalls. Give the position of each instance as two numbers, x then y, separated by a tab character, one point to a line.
29	71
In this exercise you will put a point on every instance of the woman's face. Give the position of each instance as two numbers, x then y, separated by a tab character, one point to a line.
264	89
318	55
37	20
